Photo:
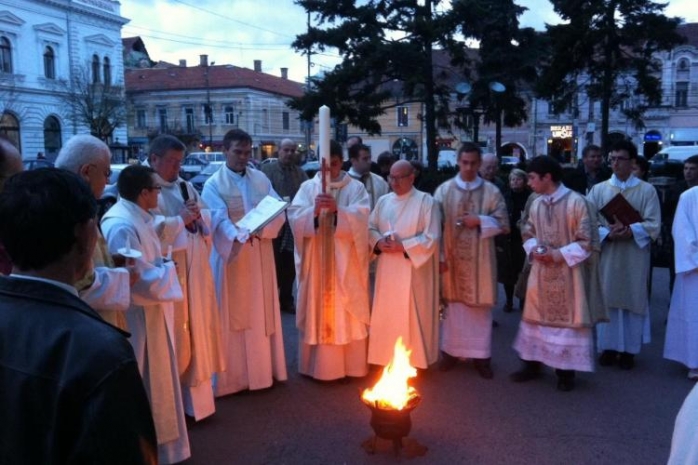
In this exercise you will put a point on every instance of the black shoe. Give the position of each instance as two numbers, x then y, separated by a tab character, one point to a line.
447	361
530	371
608	358
565	380
626	361
495	324
483	367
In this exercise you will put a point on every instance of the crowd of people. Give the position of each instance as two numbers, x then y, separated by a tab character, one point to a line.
115	330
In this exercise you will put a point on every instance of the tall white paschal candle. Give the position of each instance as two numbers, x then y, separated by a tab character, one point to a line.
324	142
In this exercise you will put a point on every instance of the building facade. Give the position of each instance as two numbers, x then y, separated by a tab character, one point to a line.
45	48
199	104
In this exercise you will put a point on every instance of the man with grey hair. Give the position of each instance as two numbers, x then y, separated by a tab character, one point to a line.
488	170
106	287
286	178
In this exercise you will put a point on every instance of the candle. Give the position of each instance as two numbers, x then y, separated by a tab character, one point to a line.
324	142
169	253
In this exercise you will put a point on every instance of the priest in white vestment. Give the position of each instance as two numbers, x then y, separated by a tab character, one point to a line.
681	342
126	226
106	288
625	260
360	159
404	229
184	230
473	212
332	310
244	273
684	442
562	296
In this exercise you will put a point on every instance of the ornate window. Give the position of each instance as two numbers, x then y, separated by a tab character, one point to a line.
5	55
106	67
95	69
9	127
49	63
52	135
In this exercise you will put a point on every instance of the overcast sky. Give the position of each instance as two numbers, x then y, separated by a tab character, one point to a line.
240	31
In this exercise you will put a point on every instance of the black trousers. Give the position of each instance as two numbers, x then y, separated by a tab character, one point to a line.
285	275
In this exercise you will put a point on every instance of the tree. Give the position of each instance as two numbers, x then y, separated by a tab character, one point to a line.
507	55
99	106
606	49
387	49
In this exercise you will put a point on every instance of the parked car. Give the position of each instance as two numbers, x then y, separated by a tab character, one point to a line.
311	167
208	156
669	161
191	166
510	161
268	160
199	180
34	163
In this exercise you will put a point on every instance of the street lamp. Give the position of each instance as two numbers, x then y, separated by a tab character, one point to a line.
208	110
497	88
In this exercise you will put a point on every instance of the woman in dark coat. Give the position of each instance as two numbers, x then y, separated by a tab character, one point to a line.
509	270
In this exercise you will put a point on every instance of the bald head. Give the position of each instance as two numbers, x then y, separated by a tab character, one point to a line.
488	167
89	157
10	161
401	177
287	152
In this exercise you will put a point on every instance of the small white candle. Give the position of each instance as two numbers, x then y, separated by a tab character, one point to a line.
169	253
324	141
128	245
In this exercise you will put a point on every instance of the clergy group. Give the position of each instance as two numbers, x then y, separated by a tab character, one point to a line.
361	260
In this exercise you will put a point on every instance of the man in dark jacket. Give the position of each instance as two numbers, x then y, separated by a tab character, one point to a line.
71	391
590	171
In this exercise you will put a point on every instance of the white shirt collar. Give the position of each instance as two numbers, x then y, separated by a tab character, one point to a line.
468	185
557	195
632	181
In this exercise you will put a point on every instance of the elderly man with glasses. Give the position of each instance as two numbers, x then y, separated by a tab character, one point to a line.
625	259
404	230
107	285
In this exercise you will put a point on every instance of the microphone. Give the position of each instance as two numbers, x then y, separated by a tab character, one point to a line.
191	227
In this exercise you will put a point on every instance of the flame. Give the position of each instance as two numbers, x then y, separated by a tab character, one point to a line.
392	391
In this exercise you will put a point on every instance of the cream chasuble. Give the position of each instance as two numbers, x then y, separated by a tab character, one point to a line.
197	326
469	253
151	323
349	312
627	258
245	278
406	299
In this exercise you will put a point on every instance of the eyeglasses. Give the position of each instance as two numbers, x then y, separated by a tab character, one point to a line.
153	188
615	159
397	178
107	172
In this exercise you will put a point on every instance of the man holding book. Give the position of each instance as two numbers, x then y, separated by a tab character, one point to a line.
626	232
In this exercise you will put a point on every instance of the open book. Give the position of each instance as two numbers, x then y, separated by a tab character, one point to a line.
265	211
618	207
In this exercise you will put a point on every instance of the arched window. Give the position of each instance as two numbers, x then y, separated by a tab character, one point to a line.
52	135
9	127
5	55
95	69
49	63
107	71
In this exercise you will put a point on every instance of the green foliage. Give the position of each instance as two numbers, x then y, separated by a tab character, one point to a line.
388	52
605	50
